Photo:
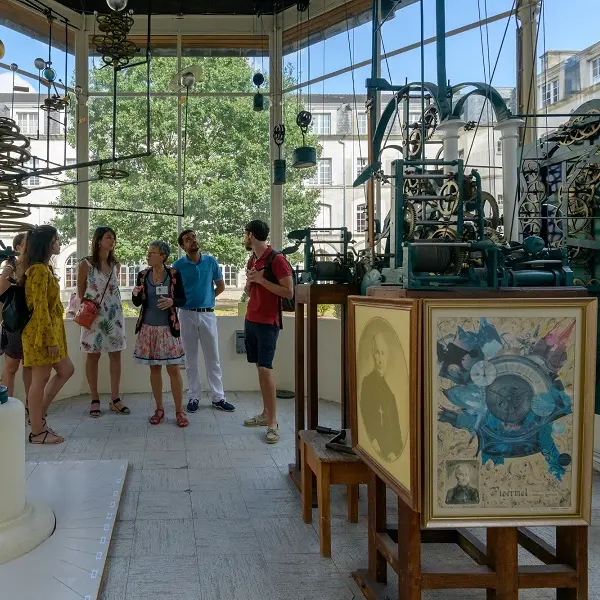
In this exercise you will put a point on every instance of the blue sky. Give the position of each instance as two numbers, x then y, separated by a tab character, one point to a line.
566	28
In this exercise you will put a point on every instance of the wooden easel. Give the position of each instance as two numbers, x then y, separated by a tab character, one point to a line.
307	414
495	567
495	564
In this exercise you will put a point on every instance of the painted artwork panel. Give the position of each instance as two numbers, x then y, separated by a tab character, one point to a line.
383	388
506	402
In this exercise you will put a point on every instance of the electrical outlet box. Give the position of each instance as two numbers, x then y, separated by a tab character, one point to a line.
240	343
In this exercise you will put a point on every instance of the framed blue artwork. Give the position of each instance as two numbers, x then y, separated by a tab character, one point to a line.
509	411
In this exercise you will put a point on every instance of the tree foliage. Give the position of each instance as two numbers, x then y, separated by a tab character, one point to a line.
227	166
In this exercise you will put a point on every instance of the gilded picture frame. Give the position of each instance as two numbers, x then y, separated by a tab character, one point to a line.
508	411
384	367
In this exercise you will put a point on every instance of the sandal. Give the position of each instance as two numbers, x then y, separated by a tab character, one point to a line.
29	419
46	433
158	416
95	412
181	419
123	410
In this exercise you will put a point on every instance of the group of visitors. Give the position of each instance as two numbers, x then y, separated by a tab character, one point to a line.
177	315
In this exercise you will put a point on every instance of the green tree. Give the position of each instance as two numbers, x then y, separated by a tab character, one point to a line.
227	167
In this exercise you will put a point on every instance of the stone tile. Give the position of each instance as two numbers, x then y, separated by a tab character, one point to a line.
125	444
251	441
163	579
209	458
286	535
85	445
225	536
220	504
158	459
130	429
163	480
275	503
121	542
164	505
263	478
164	442
169	538
213	479
234	577
114	580
128	506
251	458
133	480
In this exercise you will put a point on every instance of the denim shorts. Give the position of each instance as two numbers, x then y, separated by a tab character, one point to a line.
261	342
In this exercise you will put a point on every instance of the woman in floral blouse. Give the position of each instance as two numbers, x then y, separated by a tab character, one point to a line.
159	290
97	280
44	339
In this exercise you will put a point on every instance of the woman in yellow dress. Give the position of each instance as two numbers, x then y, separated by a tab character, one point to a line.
44	339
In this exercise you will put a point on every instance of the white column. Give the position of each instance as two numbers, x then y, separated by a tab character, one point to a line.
450	136
509	136
527	13
83	189
276	117
23	525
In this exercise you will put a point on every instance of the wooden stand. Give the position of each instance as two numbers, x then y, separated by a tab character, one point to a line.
307	415
330	468
496	567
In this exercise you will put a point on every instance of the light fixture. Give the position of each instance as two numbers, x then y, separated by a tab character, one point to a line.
259	99
279	163
39	64
185	79
304	157
116	5
2	49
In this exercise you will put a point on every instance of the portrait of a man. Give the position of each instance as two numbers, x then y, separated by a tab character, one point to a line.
463	492
378	406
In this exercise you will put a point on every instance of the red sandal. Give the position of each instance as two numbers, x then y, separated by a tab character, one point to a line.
157	417
181	419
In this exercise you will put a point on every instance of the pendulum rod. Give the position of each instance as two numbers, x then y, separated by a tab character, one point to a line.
372	118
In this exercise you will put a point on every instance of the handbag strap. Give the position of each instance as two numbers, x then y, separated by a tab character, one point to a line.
107	284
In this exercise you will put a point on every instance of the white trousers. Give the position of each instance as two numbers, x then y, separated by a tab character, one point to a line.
201	327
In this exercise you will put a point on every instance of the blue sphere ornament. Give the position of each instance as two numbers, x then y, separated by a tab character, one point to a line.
49	74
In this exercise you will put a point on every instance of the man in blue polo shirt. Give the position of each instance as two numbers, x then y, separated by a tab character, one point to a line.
203	282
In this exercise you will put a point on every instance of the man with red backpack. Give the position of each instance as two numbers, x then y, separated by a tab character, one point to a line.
269	281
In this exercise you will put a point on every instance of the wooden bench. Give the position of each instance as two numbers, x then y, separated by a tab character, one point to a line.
330	468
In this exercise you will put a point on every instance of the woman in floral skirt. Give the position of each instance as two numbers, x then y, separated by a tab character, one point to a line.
97	280
159	291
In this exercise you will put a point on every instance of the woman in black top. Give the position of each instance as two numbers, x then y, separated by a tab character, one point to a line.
10	343
159	290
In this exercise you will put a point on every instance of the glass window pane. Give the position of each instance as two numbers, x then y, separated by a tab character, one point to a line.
227	69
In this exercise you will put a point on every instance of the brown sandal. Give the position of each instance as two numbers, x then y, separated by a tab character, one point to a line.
45	433
181	419
158	416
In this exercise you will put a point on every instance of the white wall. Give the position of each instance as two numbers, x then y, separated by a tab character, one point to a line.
238	375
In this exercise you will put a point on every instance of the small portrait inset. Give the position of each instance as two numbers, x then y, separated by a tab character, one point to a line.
379	346
463	482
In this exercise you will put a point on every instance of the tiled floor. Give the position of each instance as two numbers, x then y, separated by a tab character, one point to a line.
209	512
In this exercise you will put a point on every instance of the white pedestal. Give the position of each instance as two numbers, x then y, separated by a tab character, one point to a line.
23	525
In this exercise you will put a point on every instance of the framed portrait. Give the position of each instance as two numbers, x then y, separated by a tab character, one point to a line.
384	392
509	409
